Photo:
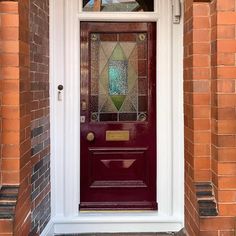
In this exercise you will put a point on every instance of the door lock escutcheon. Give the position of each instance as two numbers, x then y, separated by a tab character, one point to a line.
59	94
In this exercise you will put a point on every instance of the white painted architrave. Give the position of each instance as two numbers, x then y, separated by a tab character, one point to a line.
65	17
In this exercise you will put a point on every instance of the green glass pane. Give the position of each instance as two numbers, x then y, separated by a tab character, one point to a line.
118	101
118	54
108	48
127	48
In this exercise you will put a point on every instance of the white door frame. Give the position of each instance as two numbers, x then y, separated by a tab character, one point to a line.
65	17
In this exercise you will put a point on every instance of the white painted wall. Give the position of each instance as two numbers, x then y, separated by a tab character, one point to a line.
65	126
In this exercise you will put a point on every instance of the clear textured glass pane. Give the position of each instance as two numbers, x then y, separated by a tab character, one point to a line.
118	73
118	5
118	77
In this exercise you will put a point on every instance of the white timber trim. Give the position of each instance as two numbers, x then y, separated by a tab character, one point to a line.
49	229
65	18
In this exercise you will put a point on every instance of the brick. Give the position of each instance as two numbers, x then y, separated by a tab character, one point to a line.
227	210
201	60
202	137
227	154
10	178
201	23
10	150
10	125
226	46
226	100
201	48
218	223
10	99
227	233
201	112
10	165
10	112
226	127
226	5
226	59
225	86
201	86
227	168
201	35
226	140
226	18
225	32
9	85
208	233
201	99
6	226
9	7
9	33
227	183
10	46
9	20
227	196
10	72
9	59
226	113
9	137
202	163
201	73
202	175
201	150
201	10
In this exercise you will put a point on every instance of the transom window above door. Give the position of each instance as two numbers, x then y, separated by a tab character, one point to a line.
118	5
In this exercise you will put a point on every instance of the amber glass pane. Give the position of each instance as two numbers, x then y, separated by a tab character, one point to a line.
118	5
118	77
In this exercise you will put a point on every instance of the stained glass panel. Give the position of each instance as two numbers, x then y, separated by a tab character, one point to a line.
118	77
118	5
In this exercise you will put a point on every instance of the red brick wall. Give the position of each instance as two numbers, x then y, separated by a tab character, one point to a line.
23	211
10	84
15	108
224	112
197	106
210	112
24	94
39	74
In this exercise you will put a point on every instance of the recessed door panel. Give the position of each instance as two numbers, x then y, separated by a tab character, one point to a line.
118	116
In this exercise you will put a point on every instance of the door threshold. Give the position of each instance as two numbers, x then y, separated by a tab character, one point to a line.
116	211
117	206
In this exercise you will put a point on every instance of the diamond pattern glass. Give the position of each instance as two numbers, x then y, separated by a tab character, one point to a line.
118	77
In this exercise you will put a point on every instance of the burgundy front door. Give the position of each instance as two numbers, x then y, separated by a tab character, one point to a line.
118	116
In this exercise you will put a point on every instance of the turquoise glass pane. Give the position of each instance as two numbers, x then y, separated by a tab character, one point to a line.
118	77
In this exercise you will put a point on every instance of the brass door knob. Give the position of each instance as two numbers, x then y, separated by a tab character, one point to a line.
90	137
